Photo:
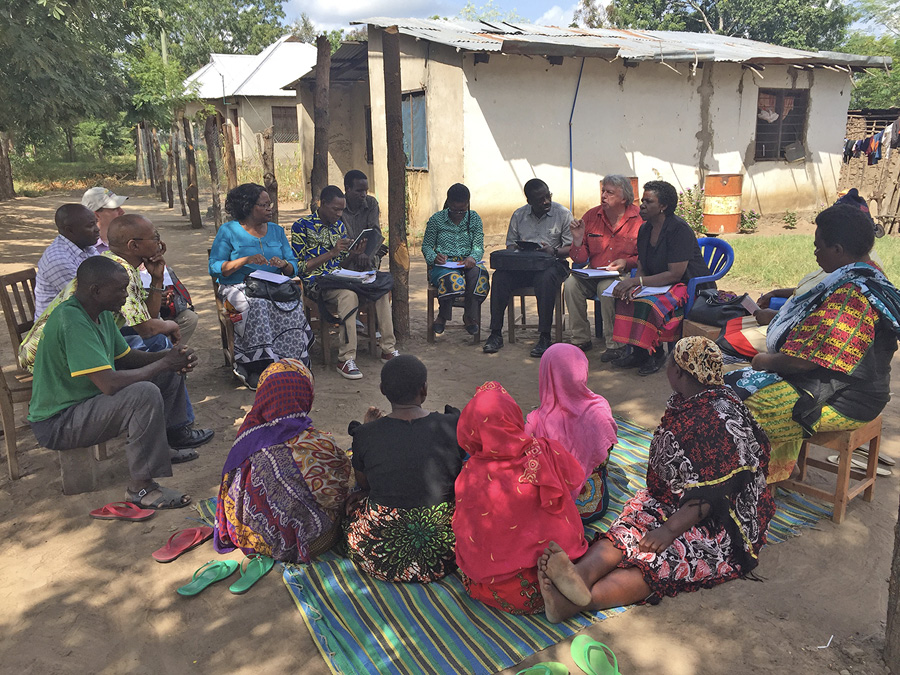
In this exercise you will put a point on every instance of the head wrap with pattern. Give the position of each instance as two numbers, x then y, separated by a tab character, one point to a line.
700	358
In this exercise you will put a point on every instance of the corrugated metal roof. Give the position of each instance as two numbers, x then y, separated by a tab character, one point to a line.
638	45
350	63
265	74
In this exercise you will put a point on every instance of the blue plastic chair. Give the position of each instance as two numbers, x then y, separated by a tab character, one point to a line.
719	257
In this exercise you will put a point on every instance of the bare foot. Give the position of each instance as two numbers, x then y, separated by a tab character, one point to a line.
560	570
556	608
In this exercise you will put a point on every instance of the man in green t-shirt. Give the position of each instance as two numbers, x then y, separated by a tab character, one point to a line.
89	386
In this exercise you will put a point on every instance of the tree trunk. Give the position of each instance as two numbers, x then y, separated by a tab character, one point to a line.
176	142
158	167
70	145
6	179
228	129
892	632
148	153
193	190
170	169
396	166
318	178
268	162
139	172
211	134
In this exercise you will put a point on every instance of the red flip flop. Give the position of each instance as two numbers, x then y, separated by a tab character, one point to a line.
181	542
122	511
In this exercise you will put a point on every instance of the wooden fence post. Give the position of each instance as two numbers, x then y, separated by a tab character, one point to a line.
268	162
211	134
158	169
892	631
230	162
193	190
6	180
176	140
148	153
140	173
170	170
318	177
396	166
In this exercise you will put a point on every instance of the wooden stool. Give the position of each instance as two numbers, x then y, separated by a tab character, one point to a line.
845	442
689	328
366	312
78	468
458	301
512	318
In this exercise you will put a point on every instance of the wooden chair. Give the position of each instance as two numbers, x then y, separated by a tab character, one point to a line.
845	442
326	330
226	327
458	301
520	319
17	300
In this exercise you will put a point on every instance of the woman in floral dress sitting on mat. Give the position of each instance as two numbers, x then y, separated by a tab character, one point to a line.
702	518
398	526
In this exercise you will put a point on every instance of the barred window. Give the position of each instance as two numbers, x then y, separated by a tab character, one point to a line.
284	123
415	136
780	121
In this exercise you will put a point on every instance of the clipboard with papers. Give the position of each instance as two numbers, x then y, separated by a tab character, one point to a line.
373	239
643	293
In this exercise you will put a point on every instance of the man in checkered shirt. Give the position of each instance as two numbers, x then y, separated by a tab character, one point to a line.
78	232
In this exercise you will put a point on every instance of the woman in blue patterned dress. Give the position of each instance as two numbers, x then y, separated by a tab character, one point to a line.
455	236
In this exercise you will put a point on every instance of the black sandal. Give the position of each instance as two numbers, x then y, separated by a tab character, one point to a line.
168	499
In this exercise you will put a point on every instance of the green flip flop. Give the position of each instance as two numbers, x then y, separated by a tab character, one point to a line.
547	668
210	573
253	568
593	657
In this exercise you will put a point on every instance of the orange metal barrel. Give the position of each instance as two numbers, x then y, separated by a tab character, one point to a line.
722	203
636	189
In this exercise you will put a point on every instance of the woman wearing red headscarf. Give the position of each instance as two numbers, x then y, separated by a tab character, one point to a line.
512	497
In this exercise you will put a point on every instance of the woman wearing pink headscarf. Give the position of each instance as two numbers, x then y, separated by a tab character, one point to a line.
579	419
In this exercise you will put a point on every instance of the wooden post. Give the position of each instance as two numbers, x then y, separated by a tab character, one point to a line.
318	177
193	190
230	162
396	166
6	180
158	168
140	172
892	631
170	170
176	140
148	153
211	134
268	162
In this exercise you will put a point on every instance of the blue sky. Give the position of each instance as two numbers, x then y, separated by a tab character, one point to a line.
339	14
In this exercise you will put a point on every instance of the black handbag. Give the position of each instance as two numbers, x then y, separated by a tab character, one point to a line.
288	292
522	261
716	308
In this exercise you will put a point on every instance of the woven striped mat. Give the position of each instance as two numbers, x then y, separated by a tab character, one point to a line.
362	625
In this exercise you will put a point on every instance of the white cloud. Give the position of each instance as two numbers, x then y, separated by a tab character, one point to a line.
339	14
557	16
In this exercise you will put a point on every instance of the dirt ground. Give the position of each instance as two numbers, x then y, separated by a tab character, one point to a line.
81	595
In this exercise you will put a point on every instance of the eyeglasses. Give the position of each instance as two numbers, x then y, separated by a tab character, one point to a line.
155	238
265	206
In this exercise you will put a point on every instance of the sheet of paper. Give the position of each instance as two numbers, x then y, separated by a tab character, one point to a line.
591	273
145	278
352	274
274	277
643	293
450	265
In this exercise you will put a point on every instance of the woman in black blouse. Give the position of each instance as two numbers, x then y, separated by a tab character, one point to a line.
668	255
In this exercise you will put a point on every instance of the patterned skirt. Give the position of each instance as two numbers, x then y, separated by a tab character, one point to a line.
266	330
651	321
593	500
394	544
517	594
773	405
452	283
285	501
702	557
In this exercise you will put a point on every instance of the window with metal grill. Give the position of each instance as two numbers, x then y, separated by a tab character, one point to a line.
780	121
415	136
284	124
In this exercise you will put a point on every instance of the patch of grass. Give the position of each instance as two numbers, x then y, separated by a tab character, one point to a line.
38	177
781	261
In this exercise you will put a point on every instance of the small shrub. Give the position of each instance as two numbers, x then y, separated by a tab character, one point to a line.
749	222
790	219
690	207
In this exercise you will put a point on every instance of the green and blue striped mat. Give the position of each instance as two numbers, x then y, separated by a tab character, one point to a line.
362	625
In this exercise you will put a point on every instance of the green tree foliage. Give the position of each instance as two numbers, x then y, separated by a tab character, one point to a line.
198	28
801	24
157	87
305	30
487	12
875	88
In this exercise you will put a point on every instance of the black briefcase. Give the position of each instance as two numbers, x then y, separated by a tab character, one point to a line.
521	261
